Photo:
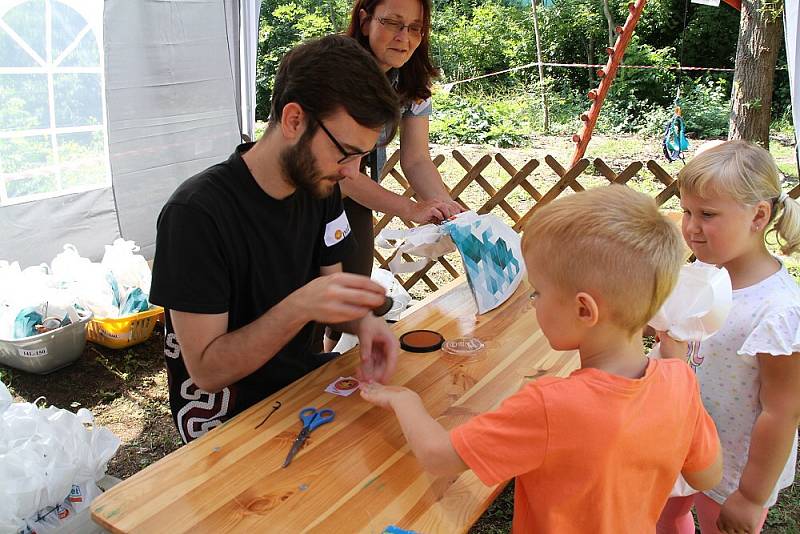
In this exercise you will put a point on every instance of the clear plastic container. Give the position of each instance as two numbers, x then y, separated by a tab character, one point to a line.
463	349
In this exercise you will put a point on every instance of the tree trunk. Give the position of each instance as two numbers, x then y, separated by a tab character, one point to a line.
760	35
542	86
612	38
332	11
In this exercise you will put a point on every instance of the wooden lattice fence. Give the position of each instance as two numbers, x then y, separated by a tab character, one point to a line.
495	199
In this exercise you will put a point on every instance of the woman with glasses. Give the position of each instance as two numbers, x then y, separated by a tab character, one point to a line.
396	32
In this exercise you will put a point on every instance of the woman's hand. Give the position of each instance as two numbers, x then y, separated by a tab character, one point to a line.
427	211
451	207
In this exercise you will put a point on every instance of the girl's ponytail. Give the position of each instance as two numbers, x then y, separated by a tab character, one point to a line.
787	223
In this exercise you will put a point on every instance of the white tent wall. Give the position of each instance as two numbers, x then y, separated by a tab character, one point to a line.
179	92
34	232
792	27
171	103
251	14
33	229
242	25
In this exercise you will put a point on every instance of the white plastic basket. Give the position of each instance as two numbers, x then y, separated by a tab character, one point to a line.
48	352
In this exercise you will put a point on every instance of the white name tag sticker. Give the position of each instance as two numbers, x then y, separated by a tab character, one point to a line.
32	353
126	336
336	230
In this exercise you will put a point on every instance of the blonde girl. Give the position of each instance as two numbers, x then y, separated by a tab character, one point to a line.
733	206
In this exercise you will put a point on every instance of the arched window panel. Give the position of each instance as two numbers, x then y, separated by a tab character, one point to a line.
28	22
25	106
85	53
12	54
53	102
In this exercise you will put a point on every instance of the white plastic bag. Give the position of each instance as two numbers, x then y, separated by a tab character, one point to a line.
428	241
491	252
43	453
130	270
68	265
23	287
699	304
93	284
401	299
5	399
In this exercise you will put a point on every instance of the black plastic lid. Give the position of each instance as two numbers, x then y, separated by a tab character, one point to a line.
421	341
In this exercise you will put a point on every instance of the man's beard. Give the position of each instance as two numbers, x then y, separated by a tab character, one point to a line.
300	167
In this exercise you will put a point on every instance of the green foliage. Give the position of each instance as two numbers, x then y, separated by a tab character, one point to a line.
475	37
477	118
706	107
651	85
509	116
280	29
490	38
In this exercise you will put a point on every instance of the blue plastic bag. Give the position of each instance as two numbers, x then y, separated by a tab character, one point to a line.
25	323
135	302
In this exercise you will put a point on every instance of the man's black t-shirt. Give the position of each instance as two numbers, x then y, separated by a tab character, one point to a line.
224	245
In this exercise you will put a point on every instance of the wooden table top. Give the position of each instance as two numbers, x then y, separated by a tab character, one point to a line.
355	474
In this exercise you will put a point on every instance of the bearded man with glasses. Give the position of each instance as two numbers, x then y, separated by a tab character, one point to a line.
248	251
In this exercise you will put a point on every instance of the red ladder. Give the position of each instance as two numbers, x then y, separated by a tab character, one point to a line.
606	75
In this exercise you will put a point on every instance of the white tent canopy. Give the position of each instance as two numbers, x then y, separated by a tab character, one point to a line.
107	107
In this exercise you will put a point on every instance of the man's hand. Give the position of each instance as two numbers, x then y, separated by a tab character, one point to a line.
379	348
337	298
739	515
383	396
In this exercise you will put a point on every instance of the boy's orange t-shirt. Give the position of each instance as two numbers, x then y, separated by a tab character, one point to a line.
593	452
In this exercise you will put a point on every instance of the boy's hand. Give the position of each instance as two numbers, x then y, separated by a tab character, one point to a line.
384	396
739	514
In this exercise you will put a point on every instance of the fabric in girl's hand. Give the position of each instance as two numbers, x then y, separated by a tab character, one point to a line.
699	304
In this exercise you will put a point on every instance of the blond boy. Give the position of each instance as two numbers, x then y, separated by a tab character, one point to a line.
597	451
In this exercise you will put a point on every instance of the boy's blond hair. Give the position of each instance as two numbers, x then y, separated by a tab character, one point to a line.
611	242
748	174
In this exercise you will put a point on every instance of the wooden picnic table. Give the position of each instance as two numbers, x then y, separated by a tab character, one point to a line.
355	474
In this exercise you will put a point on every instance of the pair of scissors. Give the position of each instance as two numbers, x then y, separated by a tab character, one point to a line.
312	419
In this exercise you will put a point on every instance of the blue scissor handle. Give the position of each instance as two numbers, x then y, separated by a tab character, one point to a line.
313	418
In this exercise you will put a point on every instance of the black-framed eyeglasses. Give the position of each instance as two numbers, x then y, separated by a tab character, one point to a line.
415	28
346	155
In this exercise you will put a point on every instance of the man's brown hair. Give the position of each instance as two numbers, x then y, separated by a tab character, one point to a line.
331	73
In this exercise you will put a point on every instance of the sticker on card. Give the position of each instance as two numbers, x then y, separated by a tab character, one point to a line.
344	386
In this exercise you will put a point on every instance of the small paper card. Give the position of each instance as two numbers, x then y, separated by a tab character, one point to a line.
344	386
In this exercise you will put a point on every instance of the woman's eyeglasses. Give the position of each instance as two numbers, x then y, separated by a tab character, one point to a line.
347	156
415	28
